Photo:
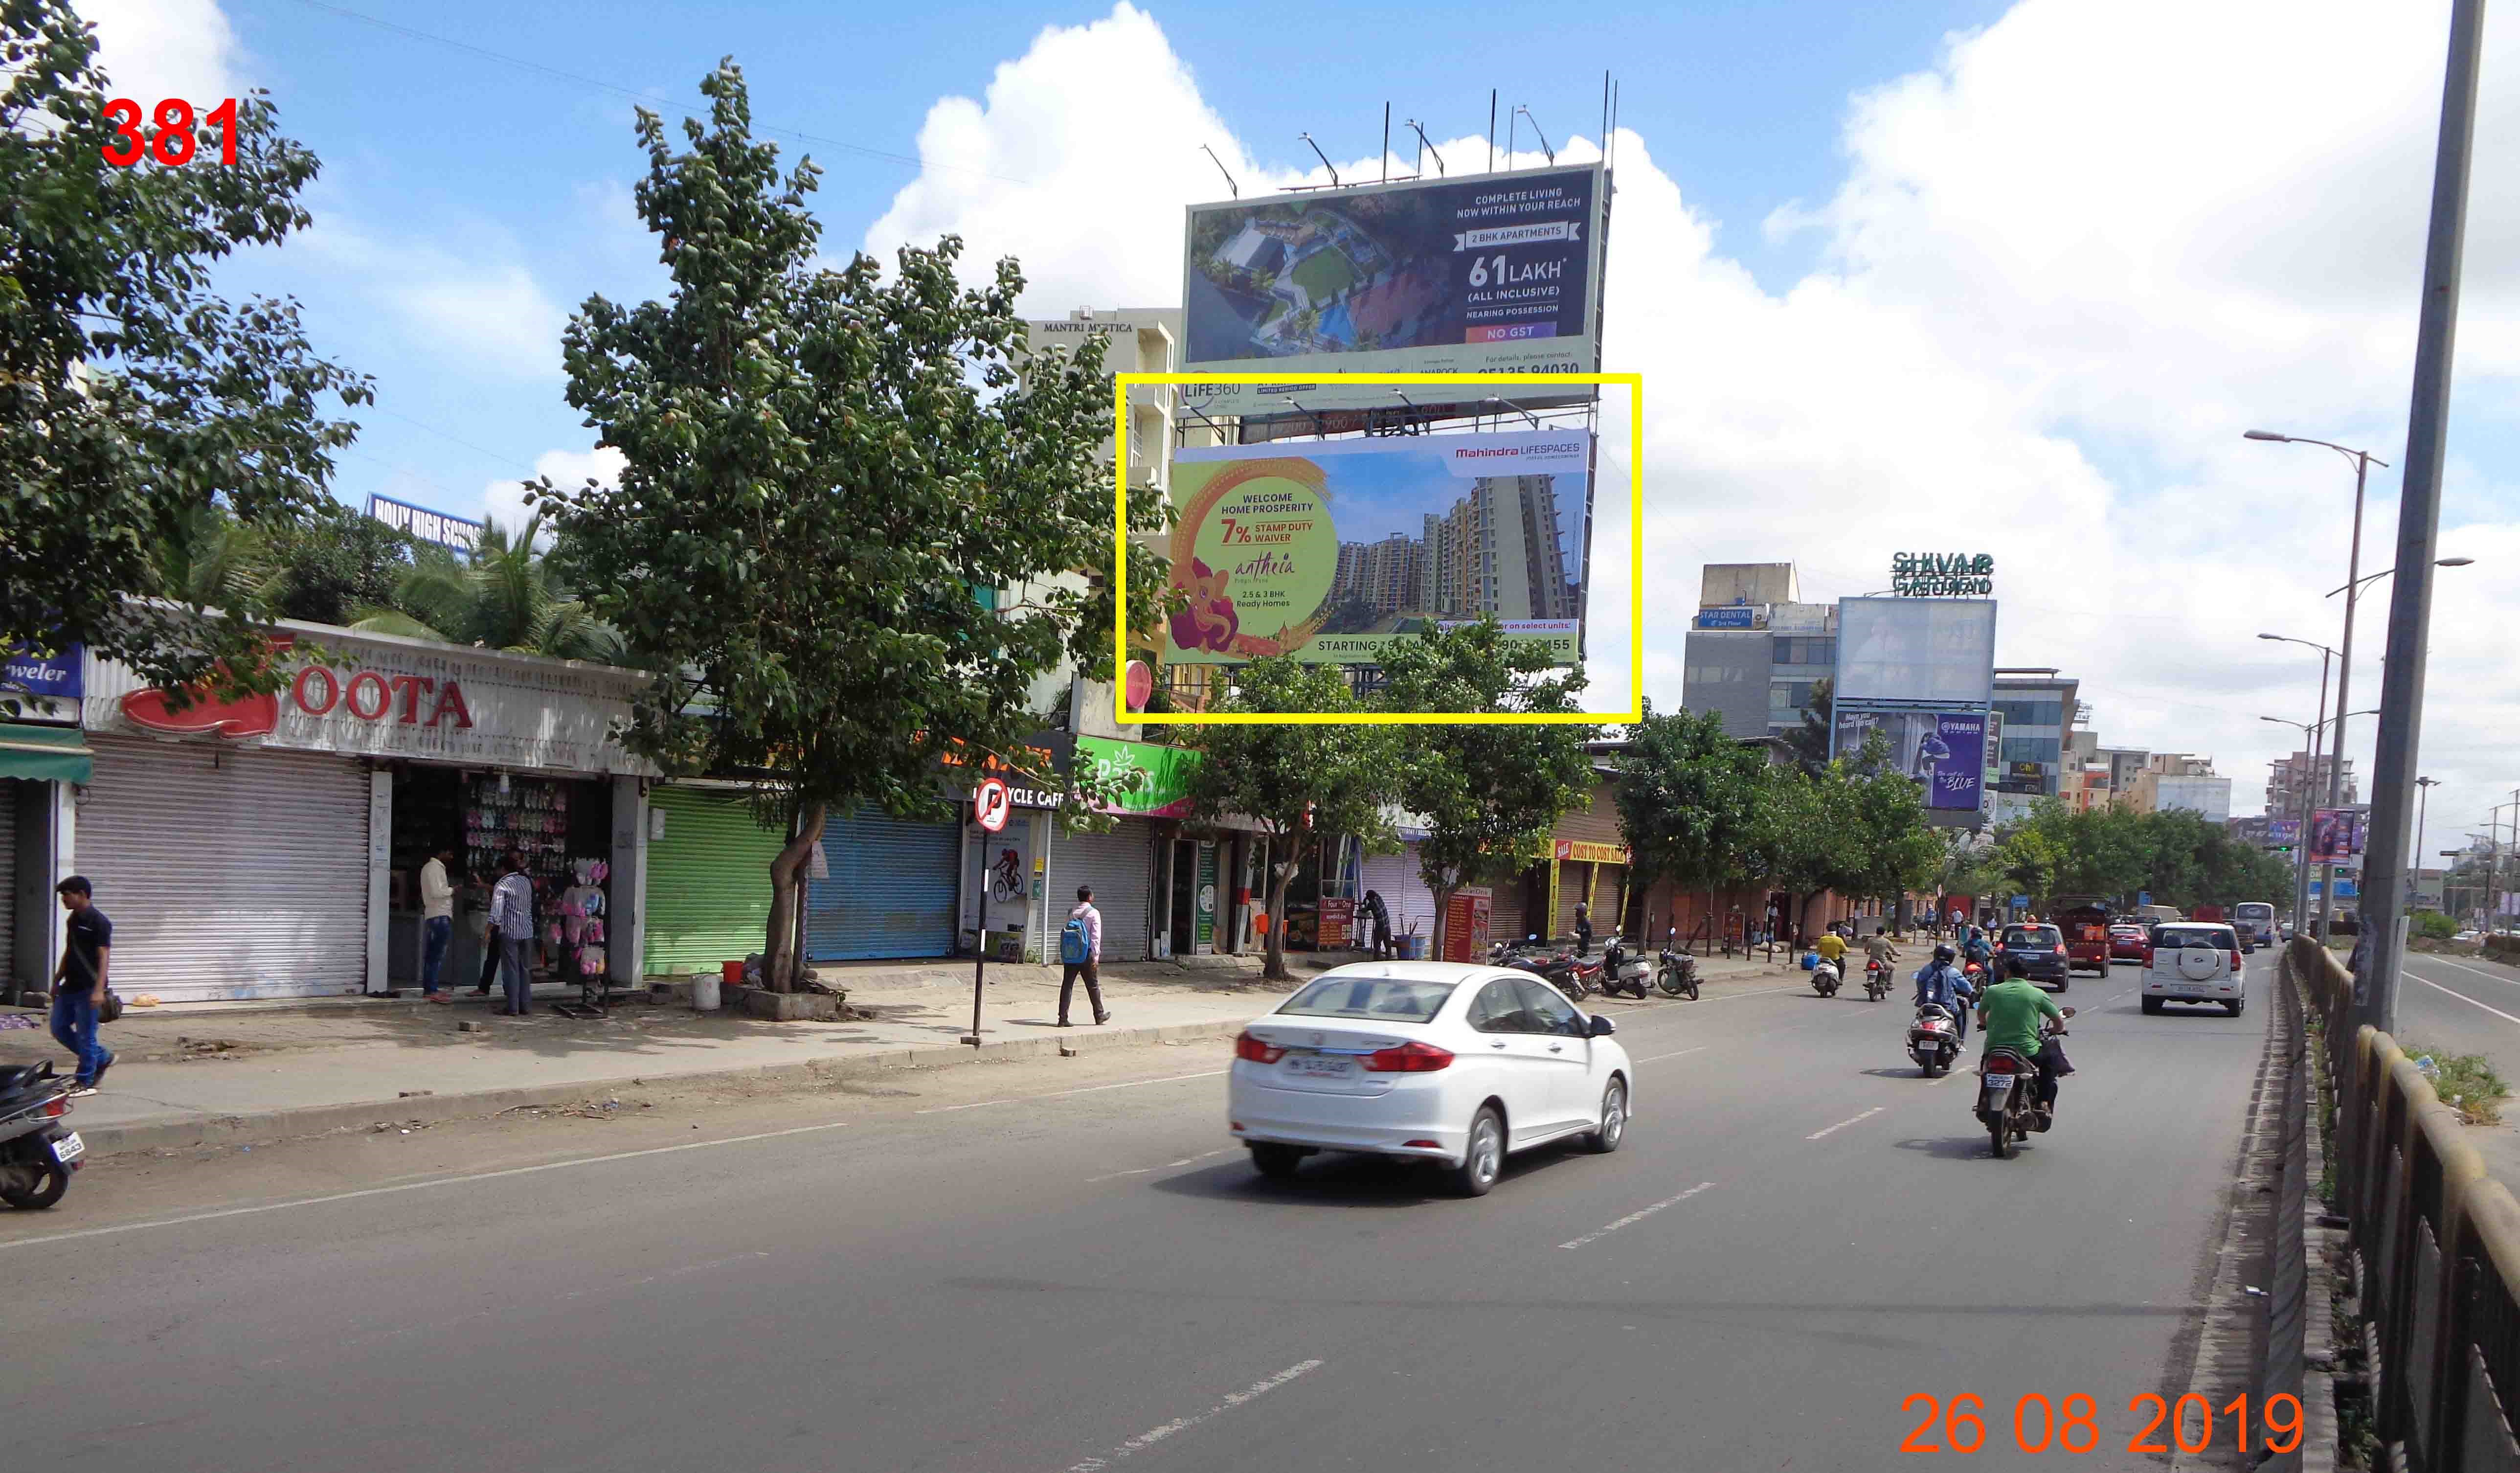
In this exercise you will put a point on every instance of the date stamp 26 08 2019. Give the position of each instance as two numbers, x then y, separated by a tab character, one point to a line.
2072	1424
174	142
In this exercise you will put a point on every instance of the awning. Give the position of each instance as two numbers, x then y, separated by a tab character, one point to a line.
47	754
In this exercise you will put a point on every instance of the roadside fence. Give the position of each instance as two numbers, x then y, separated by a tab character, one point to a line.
2435	1243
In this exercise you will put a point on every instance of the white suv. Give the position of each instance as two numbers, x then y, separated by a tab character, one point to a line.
2194	961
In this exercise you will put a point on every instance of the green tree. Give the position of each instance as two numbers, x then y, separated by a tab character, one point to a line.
334	563
1489	793
1804	839
1808	744
821	466
1892	851
131	396
507	596
1687	797
1297	780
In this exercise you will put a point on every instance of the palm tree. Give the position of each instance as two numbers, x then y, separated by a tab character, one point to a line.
506	598
214	560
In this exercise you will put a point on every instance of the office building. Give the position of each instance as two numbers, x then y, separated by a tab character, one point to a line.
1755	649
2287	776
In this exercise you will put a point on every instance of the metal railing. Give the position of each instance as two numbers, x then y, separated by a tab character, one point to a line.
2436	1244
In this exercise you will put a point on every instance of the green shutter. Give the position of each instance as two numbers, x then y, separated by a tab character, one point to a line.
708	881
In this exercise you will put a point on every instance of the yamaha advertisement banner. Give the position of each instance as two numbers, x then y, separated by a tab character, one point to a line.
1945	752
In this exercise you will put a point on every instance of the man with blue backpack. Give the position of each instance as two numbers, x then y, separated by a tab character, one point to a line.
1080	955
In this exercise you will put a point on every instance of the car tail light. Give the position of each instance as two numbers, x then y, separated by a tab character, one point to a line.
2237	963
1258	1052
1422	1145
2147	953
1412	1057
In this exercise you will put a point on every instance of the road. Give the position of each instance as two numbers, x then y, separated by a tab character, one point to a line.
2468	1005
1067	1266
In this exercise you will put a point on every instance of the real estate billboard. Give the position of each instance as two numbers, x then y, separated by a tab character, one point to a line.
1334	549
1945	752
1915	653
1493	274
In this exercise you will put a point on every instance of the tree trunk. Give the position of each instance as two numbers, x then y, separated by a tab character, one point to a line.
1435	938
782	959
1275	968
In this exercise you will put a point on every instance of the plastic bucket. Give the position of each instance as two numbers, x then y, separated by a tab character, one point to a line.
704	994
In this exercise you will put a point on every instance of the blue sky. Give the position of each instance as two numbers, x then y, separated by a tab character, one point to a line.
2004	277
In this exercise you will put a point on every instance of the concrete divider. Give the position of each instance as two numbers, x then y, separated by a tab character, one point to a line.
2436	1244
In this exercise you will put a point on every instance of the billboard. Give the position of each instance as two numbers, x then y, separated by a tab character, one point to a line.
2283	831
1334	549
2336	835
425	525
1915	651
1493	274
1943	750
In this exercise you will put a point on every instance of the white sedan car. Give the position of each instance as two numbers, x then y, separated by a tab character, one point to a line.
1434	1060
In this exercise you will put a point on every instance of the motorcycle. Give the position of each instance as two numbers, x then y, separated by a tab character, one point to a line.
1623	975
1877	978
1676	973
1824	978
1933	1039
1572	975
2007	1095
37	1153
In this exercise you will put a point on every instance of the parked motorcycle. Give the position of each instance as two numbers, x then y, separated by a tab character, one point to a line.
37	1152
2007	1095
1933	1039
1824	978
1624	975
1876	979
1572	975
1676	973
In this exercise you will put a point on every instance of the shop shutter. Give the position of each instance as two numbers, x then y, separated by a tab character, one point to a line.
1505	918
9	880
708	880
1120	866
1403	887
229	872
893	891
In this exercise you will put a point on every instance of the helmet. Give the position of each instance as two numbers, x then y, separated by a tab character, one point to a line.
1943	954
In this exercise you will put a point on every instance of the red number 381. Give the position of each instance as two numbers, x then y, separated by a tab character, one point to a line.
173	143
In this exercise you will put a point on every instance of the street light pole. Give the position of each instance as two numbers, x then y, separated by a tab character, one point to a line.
2302	781
2423	809
2402	673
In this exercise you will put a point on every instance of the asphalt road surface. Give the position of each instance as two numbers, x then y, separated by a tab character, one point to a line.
2467	1004
1068	1266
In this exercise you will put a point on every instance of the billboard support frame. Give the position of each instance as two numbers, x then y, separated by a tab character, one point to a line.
1634	383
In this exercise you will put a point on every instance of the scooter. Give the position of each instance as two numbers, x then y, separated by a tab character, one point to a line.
1625	975
1933	1039
1676	971
37	1153
2007	1095
1824	978
1877	978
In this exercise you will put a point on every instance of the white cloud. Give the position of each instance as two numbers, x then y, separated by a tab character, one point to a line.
2065	268
154	49
504	501
463	294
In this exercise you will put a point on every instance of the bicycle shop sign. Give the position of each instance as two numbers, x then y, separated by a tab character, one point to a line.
1955	575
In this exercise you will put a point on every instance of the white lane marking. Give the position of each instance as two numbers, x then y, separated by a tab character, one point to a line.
1659	1058
1231	1400
1126	1084
380	1192
1843	1124
1638	1215
1167	1165
2464	998
2480	971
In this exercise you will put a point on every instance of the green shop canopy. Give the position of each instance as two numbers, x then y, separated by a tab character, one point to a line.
47	754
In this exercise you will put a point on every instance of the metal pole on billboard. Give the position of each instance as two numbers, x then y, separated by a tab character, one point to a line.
2402	673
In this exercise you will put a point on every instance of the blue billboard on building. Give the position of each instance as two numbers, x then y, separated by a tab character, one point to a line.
1945	752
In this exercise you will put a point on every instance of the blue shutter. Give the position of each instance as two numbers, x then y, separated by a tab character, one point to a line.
891	893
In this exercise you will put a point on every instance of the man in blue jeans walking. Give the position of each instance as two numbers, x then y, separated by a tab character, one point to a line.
78	983
437	922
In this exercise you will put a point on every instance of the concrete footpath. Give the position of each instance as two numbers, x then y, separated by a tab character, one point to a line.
234	1073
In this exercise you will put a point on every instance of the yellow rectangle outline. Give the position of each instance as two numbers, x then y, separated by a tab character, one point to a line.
1635	383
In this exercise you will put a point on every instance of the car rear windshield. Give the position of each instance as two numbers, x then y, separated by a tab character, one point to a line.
2256	913
2031	935
2221	938
1369	997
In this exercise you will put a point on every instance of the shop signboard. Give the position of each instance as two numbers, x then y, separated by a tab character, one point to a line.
1944	751
54	676
379	695
1332	549
1153	778
1493	274
1731	616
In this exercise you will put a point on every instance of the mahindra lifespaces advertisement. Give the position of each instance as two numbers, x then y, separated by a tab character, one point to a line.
1332	548
1493	274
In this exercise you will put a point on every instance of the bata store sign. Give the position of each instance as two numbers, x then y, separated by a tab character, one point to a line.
390	697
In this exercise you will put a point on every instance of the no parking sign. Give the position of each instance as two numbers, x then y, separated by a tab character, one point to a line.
990	804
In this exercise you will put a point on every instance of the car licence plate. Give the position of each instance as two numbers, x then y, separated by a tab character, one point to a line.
1320	1066
68	1148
